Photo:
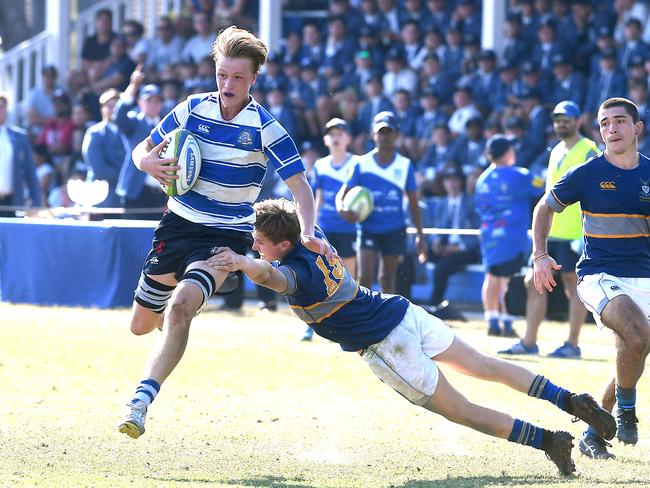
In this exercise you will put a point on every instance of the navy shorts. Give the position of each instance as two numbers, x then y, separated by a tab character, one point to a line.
509	268
177	243
563	254
343	242
391	243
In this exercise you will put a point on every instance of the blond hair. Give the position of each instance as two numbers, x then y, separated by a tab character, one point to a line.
277	219
239	43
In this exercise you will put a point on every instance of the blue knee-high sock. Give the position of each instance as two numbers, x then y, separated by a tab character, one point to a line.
146	391
625	398
527	434
542	388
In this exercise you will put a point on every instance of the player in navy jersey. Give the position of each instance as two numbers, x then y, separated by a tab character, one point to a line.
400	341
237	138
503	194
613	189
327	177
389	176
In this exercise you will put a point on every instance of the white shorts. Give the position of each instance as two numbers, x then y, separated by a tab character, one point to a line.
403	359
598	289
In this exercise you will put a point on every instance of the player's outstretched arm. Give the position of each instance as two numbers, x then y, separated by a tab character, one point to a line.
146	157
543	264
258	271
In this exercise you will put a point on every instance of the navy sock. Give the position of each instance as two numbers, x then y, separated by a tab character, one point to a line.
591	432
493	324
146	391
542	388
526	434
625	398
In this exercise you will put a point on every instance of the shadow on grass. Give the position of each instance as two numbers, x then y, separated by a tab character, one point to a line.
460	481
266	481
541	358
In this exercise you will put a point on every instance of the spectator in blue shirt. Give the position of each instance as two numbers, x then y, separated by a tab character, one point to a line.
609	81
435	78
515	46
485	81
451	54
634	45
567	84
431	117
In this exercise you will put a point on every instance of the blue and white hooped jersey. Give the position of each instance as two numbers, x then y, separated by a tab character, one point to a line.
324	294
387	185
329	179
235	154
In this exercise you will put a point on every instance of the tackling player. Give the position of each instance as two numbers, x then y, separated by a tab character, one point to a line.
613	189
237	138
400	341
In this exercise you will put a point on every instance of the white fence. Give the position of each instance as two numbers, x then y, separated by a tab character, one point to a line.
61	42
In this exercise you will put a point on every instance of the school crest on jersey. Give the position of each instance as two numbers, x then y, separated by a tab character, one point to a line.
644	196
245	138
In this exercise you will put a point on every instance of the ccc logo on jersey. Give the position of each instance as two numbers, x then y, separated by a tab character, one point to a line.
607	185
203	128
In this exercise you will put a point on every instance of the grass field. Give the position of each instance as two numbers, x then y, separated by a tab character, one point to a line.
251	405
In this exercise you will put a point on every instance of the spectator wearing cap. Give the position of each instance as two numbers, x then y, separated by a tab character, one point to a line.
339	46
96	48
464	109
451	253
389	176
17	171
503	195
529	20
469	148
503	94
468	17
439	154
369	41
410	37
431	117
199	45
604	43
515	45
609	81
165	48
432	43
363	70
373	20
567	84
398	76
451	54
119	69
571	151
272	76
57	131
105	148
375	102
633	45
40	103
537	125
433	77
406	114
312	50
485	80
531	78
546	47
135	188
636	68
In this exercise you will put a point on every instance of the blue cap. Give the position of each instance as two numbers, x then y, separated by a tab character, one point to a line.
567	108
384	119
337	123
497	146
149	91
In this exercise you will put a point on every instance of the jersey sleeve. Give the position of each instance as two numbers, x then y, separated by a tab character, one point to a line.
175	119
410	179
280	149
354	176
298	276
567	190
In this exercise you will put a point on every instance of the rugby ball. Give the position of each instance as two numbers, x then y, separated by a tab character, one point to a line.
184	146
358	200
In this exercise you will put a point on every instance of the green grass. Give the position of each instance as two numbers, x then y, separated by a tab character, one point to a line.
250	405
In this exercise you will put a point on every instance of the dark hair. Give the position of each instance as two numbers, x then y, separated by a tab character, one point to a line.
629	106
104	11
137	27
277	220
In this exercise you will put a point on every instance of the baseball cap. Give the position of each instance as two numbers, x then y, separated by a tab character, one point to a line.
530	92
336	123
363	54
528	67
608	53
560	58
61	95
568	108
384	119
149	91
497	146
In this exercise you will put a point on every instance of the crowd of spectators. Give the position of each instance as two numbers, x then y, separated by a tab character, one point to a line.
421	59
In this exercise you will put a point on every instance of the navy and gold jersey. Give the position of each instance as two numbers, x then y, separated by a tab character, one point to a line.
325	295
615	206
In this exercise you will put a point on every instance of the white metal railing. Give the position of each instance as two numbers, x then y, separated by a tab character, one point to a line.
20	67
20	71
